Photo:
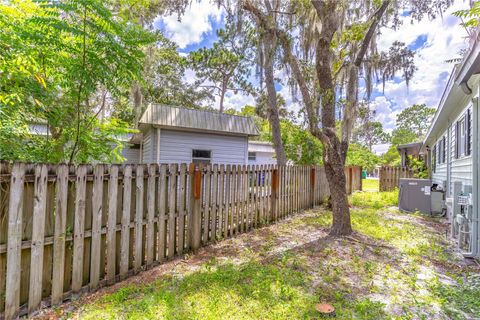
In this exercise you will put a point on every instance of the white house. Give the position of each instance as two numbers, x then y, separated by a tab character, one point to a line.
452	146
175	135
261	152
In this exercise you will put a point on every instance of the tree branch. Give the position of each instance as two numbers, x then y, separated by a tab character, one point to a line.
377	16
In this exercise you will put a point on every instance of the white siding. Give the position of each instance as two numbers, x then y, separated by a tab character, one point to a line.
263	158
131	155
148	140
461	168
177	146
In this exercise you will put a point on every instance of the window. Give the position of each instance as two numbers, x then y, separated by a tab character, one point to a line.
252	156
201	156
463	134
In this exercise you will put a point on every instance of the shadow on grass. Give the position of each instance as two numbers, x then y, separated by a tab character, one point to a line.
277	287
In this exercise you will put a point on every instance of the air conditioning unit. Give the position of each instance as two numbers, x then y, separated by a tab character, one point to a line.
415	195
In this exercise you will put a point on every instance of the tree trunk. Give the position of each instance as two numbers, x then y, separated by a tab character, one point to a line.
222	97
273	116
137	102
333	149
335	173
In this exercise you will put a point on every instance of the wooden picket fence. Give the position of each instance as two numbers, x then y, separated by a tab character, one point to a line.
66	229
390	177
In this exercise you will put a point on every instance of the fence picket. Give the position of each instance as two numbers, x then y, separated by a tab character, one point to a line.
181	207
79	228
59	234
227	201
125	222
162	202
152	171
15	208
38	230
96	225
112	222
172	192
214	205
221	208
139	171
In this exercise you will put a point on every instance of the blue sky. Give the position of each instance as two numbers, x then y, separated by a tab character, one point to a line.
434	42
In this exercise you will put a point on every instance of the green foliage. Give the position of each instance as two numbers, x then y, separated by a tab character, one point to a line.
419	166
225	66
415	119
54	59
403	136
391	157
361	156
300	146
163	77
469	16
411	126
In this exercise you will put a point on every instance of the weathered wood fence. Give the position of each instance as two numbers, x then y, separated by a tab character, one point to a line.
390	177
68	229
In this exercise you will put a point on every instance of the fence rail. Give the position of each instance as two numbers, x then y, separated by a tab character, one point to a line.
390	177
68	229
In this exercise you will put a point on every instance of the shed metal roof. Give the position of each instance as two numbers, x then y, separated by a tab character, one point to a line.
198	120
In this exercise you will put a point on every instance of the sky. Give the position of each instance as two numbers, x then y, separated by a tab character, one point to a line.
434	42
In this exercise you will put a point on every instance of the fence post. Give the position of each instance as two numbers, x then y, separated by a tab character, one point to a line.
196	204
313	191
274	213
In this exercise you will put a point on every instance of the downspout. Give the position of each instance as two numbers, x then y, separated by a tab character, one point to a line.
476	179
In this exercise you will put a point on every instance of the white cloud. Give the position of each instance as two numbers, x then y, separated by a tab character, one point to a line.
194	24
236	101
384	112
444	39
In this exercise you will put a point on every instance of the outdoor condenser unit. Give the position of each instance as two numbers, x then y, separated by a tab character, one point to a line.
415	194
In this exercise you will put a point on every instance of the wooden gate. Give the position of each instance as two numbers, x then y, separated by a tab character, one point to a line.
390	177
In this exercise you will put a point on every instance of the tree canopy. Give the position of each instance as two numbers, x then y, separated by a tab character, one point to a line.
60	63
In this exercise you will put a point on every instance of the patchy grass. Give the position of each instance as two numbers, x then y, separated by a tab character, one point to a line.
461	297
371	185
374	200
395	266
217	291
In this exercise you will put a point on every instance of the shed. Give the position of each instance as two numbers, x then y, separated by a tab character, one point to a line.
178	135
261	152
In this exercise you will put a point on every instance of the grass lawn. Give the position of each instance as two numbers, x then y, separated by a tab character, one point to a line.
395	266
370	184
